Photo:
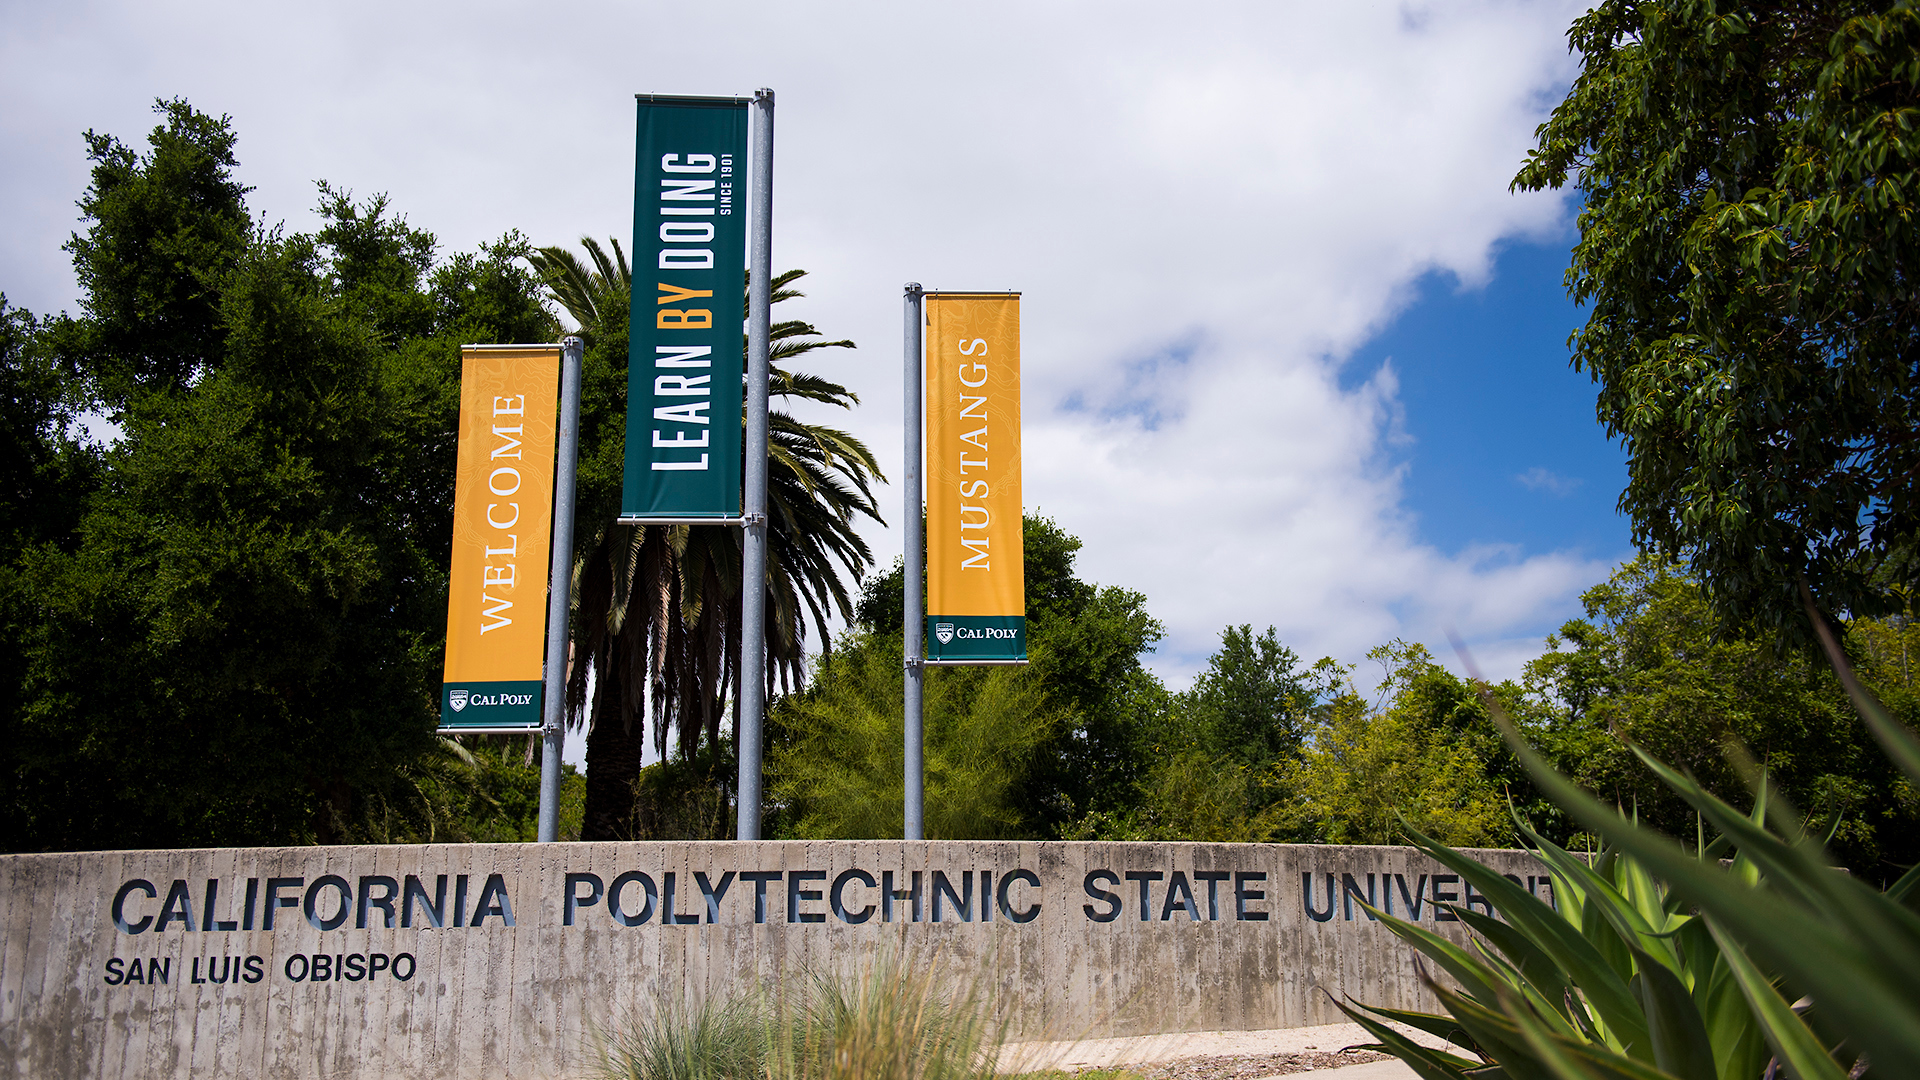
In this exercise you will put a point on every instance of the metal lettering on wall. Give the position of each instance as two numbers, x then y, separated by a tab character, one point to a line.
636	898
305	961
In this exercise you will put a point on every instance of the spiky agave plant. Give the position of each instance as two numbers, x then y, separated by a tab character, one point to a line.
1662	962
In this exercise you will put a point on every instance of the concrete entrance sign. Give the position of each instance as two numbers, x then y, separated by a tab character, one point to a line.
490	960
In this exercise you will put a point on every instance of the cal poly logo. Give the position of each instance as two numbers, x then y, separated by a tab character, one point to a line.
457	699
943	631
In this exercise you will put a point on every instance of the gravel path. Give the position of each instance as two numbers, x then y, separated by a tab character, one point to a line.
1252	1066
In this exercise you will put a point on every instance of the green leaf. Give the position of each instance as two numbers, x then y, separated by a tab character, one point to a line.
1680	1043
1561	941
1858	983
1547	978
1566	1060
1435	1024
1477	978
1429	1064
1791	1039
1901	745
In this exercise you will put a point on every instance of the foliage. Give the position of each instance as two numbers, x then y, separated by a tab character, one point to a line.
1365	771
170	226
678	797
235	639
1615	974
713	1039
837	769
1086	643
1188	796
1253	703
44	474
657	604
488	793
1747	247
44	479
897	1018
1635	974
1214	750
1646	670
1308	759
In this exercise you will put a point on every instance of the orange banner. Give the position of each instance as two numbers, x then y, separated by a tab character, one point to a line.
502	526
976	579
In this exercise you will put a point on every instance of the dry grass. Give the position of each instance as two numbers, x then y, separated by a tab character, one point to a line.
894	1019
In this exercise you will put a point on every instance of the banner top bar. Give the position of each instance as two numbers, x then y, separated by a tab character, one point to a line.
693	99
964	293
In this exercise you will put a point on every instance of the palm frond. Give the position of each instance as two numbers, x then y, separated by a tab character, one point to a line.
656	626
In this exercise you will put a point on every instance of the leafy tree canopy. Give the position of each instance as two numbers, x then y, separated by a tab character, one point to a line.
1747	254
1087	642
656	618
234	635
1645	669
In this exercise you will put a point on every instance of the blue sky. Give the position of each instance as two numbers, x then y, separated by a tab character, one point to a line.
1285	195
1505	447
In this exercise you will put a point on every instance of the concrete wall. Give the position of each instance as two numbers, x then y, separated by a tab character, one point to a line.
192	981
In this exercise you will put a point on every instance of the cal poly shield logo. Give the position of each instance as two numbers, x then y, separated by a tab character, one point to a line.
943	631
457	699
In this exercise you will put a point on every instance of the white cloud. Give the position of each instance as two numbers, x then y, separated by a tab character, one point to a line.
1207	214
1541	478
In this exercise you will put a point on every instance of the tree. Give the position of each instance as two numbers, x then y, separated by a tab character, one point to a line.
1645	669
238	639
1367	774
658	606
1211	753
1087	642
838	765
1747	251
1252	704
44	472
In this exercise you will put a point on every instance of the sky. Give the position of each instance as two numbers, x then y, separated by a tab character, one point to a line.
1294	354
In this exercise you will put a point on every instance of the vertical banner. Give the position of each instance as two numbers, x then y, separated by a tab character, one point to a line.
502	524
976	579
684	364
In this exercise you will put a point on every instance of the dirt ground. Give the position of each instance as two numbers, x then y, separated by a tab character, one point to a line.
1219	1055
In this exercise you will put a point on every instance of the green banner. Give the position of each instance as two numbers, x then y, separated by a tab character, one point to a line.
976	638
684	351
492	705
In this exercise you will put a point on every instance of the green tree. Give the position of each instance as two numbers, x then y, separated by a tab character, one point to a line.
484	793
171	225
658	605
239	639
1421	756
1253	703
1645	669
1747	255
1213	750
1087	643
838	769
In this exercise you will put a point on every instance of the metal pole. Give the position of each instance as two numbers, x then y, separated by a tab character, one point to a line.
753	555
559	588
911	571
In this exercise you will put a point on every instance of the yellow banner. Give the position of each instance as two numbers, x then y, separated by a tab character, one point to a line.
502	526
976	581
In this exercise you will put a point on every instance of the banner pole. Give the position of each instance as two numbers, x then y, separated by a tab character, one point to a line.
914	555
559	587
753	554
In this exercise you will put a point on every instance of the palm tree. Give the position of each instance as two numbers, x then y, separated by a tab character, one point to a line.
658	606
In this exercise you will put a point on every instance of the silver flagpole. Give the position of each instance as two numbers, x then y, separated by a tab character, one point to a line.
559	586
911	572
753	560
